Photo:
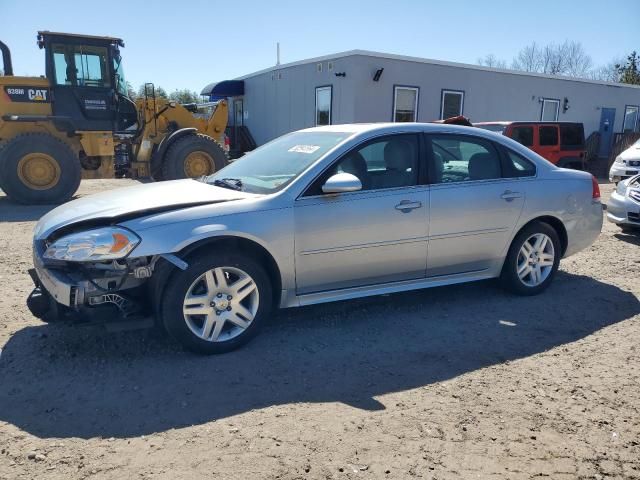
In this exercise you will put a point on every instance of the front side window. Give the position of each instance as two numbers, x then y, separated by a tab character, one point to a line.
548	136
523	135
323	105
550	108
80	65
405	104
452	103
463	159
274	165
631	119
389	162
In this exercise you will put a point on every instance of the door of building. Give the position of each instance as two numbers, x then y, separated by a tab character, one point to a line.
607	119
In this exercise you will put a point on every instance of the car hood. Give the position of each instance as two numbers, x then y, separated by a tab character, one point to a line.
131	202
631	153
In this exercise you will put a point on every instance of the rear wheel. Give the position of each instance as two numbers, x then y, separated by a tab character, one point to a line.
193	156
532	261
217	304
37	168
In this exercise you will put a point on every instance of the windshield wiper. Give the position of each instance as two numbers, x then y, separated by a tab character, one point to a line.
232	183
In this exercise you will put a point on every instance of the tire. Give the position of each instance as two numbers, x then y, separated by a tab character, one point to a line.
530	284
207	157
36	168
223	316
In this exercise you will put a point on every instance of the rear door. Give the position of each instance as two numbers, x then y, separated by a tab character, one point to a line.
549	143
474	206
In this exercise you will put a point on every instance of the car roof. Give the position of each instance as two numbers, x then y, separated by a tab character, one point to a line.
395	127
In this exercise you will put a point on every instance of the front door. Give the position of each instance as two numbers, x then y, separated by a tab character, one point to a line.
474	208
372	236
82	87
607	119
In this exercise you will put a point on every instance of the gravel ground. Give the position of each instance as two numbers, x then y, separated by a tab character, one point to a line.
454	382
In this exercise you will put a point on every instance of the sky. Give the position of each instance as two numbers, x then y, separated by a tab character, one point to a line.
188	44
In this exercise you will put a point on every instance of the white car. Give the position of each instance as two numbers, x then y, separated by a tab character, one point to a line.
623	208
627	164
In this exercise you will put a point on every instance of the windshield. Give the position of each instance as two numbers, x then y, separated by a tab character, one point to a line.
276	164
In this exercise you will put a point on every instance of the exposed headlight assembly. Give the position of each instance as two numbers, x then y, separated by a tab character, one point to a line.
108	243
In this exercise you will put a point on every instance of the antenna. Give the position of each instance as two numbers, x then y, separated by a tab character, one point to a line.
278	53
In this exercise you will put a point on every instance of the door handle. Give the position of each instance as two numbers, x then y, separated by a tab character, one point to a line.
508	195
405	206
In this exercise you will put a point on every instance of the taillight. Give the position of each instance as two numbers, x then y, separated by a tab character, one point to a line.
227	143
595	191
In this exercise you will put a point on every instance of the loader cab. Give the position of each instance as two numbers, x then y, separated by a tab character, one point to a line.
87	83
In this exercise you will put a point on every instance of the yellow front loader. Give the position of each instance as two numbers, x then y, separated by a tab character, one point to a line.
79	122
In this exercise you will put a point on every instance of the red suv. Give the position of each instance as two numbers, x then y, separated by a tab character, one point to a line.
562	143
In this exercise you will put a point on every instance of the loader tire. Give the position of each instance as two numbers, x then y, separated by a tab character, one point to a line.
36	168
193	156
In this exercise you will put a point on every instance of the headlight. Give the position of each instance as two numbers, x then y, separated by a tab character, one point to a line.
109	243
619	160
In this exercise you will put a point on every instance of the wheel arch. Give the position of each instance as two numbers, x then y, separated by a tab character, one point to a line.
553	222
164	268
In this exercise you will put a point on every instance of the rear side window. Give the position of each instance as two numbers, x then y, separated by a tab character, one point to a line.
463	159
523	135
518	166
572	135
548	136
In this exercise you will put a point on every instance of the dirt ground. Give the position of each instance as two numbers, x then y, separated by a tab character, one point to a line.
455	382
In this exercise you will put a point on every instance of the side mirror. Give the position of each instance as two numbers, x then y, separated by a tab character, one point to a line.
342	183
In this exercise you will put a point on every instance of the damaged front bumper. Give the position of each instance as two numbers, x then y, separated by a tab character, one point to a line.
67	287
76	289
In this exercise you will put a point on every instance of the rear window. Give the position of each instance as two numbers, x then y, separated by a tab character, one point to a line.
523	135
572	135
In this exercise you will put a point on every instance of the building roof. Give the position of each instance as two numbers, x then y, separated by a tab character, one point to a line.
390	56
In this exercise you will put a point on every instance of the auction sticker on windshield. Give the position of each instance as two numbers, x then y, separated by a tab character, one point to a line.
304	148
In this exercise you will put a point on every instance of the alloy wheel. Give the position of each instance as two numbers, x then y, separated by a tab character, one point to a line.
535	260
221	304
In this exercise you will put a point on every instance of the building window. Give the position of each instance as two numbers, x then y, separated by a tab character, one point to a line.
550	108
323	105
452	103
631	120
405	104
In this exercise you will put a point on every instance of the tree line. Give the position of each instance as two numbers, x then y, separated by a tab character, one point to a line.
568	59
178	95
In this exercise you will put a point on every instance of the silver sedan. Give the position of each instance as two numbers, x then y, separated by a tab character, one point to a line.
323	214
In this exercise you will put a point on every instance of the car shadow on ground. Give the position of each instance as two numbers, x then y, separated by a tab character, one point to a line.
630	237
15	212
61	381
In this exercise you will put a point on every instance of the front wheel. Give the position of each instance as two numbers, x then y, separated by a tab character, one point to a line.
532	261
217	304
